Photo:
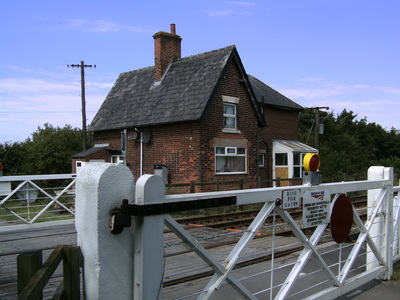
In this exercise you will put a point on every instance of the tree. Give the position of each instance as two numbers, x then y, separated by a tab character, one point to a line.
51	148
48	151
12	157
350	146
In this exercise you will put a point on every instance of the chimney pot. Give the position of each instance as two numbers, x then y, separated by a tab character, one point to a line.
173	29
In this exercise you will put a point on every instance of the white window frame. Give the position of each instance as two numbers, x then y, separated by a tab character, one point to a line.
230	116
79	164
299	166
261	159
229	151
233	102
285	155
117	159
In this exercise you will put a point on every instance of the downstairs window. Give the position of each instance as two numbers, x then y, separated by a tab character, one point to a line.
230	160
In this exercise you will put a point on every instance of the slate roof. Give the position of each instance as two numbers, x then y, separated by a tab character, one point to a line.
270	97
182	94
94	150
88	152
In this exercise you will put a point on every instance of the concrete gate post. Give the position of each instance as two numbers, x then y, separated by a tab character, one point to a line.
108	258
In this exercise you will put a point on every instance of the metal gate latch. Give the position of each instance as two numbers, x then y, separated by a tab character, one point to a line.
118	219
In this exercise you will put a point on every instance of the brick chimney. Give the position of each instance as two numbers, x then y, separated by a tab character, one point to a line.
167	48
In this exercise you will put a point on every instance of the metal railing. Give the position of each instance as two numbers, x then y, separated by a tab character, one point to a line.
37	198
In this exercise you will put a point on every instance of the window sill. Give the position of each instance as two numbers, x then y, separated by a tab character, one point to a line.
231	173
226	130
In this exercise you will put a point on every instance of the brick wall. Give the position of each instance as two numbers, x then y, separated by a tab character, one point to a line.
175	146
281	125
111	137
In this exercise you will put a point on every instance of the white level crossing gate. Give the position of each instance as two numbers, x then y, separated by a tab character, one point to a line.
320	269
31	199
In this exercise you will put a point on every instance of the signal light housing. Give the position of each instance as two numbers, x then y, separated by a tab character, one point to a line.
311	162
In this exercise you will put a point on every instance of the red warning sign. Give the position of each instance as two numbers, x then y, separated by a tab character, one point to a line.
341	218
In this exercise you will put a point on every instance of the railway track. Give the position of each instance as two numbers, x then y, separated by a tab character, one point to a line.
241	219
238	221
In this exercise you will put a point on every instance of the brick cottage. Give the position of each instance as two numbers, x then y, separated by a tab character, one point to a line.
199	118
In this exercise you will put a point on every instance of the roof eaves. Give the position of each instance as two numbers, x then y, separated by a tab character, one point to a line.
261	120
274	98
294	108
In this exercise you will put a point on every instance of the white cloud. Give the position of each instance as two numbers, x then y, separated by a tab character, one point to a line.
104	26
101	85
220	13
243	3
93	26
19	69
389	90
30	102
32	85
319	88
233	8
309	93
379	104
101	26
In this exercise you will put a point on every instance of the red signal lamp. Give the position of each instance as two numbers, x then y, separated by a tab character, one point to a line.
311	162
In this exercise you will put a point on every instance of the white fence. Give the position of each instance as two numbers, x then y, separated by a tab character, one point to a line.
319	268
37	198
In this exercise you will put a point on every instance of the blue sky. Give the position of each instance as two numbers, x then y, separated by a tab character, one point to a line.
338	53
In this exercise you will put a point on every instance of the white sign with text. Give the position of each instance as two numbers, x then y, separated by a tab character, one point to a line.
290	199
316	207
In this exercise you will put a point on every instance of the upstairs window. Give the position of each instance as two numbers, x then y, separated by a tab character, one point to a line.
261	160
229	116
230	160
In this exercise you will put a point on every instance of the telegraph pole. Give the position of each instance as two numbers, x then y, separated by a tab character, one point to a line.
83	66
317	124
